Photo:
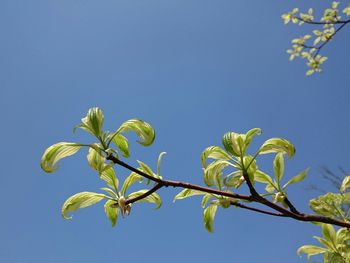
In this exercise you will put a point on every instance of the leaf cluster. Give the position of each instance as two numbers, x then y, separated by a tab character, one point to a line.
309	46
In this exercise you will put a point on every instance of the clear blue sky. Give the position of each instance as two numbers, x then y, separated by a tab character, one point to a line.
195	70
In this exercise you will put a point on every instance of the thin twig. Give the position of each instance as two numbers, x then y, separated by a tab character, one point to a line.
149	192
342	23
256	209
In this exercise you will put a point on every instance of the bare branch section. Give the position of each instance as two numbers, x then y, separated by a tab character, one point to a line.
254	197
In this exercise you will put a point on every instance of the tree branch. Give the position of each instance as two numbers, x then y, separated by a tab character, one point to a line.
342	24
255	198
256	209
149	192
322	23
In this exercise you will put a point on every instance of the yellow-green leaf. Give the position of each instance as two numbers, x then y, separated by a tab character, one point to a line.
213	171
296	179
55	153
80	200
278	167
143	130
208	216
311	250
329	233
214	152
93	122
131	179
111	210
187	193
233	143
108	175
96	159
345	184
277	145
152	198
122	143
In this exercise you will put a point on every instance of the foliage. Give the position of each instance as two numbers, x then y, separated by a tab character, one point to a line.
308	46
335	244
225	170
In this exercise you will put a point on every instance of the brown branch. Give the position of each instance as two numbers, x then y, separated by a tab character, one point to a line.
255	198
329	39
167	183
342	24
256	209
149	192
322	23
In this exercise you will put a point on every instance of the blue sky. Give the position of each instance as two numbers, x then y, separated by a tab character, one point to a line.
194	70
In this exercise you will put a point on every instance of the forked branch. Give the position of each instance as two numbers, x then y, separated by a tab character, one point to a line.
282	212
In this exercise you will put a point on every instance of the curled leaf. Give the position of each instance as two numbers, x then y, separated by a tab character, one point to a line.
96	159
80	200
214	152
345	184
213	172
93	122
208	216
277	145
311	250
55	153
122	143
234	143
143	130
111	210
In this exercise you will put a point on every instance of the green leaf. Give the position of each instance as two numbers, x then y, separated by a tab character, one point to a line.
122	143
233	143
96	159
93	122
250	165
160	157
277	145
213	172
296	179
111	210
329	233
209	215
110	192
235	179
143	130
331	205
262	177
311	250
131	179
345	184
205	199
55	153
343	235
250	135
146	169
324	242
214	152
187	193
80	200
278	167
152	198
346	10
108	175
